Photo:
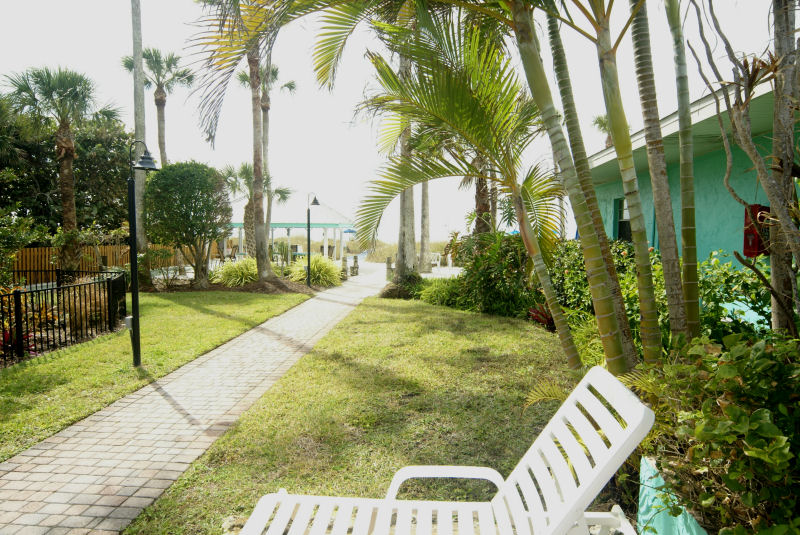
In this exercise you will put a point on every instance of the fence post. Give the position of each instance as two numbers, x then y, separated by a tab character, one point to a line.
110	304
19	347
59	279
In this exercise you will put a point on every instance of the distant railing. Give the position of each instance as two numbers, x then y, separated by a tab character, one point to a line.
67	308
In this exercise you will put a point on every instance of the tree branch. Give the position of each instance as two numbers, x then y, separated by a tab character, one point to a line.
778	297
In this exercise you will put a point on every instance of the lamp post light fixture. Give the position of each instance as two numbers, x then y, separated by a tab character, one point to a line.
315	202
145	163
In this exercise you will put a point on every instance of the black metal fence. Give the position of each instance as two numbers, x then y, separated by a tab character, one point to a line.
59	310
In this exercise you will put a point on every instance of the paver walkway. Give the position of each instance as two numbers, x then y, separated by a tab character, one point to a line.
98	474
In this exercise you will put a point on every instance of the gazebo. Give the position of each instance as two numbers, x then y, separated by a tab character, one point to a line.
292	215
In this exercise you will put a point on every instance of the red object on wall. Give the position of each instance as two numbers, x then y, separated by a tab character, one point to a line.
754	227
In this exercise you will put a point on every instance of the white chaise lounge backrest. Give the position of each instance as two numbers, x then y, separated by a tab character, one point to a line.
578	451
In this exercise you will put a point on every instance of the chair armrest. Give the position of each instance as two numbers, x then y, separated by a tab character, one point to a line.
457	472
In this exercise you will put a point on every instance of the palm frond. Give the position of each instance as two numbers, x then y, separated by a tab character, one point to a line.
338	24
546	392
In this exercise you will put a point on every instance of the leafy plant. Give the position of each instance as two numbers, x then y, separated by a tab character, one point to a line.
727	434
446	292
324	272
15	233
237	273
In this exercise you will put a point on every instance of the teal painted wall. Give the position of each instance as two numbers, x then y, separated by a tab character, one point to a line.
720	219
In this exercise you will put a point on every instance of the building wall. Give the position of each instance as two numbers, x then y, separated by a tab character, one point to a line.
719	218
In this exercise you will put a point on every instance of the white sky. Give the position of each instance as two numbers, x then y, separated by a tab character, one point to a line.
315	142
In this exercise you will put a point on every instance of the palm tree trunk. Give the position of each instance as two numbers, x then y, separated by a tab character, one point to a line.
493	204
262	262
618	122
535	253
249	229
265	107
69	255
587	187
160	97
139	121
482	207
267	225
781	273
656	160
595	266
425	232
406	248
691	296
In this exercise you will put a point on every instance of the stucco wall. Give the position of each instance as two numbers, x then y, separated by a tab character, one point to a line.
720	219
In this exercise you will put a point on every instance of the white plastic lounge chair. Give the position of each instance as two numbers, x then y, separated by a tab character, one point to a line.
569	463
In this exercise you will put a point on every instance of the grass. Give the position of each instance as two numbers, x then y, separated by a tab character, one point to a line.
41	396
396	383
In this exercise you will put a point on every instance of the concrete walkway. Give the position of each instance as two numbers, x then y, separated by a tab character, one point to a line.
98	474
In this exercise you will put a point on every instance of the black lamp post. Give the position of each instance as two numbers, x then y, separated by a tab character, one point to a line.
315	202
145	163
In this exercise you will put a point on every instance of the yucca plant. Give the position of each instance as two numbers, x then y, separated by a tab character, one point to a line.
237	273
324	272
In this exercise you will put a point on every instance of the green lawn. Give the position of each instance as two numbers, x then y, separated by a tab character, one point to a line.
396	383
43	395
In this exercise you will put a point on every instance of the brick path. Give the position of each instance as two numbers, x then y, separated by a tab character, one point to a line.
98	474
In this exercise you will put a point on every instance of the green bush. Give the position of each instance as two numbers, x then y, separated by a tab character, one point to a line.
497	275
237	273
324	272
727	434
445	292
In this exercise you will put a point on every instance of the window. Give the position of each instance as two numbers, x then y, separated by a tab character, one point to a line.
622	220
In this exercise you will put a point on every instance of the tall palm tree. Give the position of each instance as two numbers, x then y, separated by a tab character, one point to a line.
68	98
139	125
598	15
241	181
464	89
339	21
164	73
657	163
584	173
688	232
269	74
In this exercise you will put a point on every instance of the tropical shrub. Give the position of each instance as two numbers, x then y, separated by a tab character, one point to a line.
187	206
446	292
727	433
237	273
324	272
497	275
15	233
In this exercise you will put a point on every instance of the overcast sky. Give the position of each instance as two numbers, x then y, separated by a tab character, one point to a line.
316	144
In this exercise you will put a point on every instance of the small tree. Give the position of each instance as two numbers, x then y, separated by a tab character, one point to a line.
15	233
187	205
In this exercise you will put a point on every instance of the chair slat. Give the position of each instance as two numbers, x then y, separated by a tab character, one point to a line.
444	520
544	479
486	520
363	519
403	524
322	519
587	432
605	419
533	500
301	519
282	517
620	398
555	459
575	452
425	519
465	526
343	518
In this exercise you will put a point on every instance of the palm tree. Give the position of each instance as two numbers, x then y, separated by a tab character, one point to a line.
657	163
688	234
598	14
139	126
241	181
585	178
464	90
68	98
164	73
